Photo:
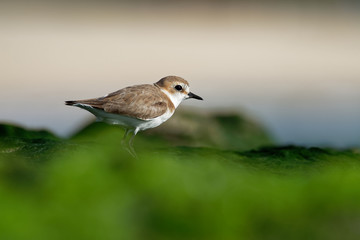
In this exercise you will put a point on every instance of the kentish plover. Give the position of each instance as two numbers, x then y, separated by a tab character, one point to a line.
139	107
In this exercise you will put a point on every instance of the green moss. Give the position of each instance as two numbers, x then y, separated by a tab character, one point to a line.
88	187
11	131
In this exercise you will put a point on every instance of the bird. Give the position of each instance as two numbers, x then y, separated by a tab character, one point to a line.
139	107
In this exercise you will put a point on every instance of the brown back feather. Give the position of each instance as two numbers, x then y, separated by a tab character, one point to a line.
141	101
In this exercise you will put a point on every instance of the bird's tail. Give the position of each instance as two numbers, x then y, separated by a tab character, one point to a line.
70	103
94	103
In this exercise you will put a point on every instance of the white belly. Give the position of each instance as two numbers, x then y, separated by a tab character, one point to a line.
127	122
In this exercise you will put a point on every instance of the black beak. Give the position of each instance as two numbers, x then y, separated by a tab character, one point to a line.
191	95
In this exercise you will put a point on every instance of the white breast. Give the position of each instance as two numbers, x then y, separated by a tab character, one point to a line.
156	121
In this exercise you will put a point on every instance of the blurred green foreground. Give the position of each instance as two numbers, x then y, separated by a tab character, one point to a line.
218	184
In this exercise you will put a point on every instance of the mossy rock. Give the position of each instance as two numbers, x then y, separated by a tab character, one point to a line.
34	145
224	130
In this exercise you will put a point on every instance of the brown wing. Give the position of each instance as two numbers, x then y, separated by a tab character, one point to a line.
140	101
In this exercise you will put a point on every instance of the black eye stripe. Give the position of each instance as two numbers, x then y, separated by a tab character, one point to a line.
178	87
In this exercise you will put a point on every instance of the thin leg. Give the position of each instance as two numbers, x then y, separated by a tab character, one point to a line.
131	148
131	141
123	141
128	145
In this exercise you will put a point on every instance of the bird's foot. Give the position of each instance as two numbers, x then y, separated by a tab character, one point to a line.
132	152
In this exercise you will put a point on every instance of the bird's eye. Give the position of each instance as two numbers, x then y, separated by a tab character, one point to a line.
178	87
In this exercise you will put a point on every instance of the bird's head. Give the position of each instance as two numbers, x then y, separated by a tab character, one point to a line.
176	88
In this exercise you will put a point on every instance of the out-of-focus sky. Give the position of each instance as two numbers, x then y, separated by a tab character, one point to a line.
296	68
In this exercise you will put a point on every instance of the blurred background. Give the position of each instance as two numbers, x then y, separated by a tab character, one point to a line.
292	65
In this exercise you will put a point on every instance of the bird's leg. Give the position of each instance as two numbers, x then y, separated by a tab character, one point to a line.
128	145
131	149
123	140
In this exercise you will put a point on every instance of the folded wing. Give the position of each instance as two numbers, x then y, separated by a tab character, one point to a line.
141	101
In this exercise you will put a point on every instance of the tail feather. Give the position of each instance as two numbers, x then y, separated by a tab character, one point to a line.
94	103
